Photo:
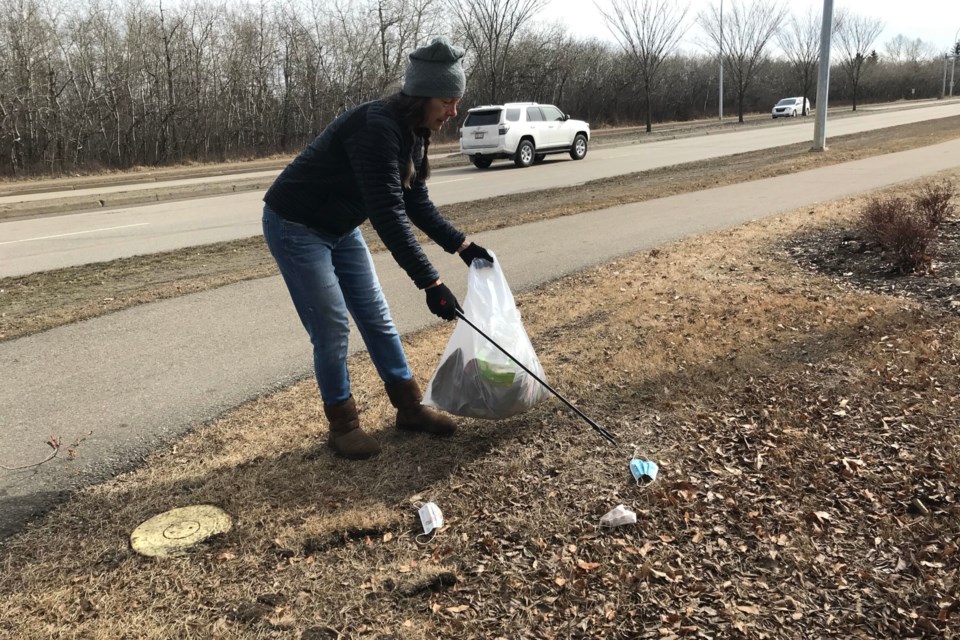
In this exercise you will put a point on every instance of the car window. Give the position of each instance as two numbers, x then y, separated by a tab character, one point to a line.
552	113
785	102
482	118
534	114
513	114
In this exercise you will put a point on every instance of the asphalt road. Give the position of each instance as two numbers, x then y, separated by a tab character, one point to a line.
51	242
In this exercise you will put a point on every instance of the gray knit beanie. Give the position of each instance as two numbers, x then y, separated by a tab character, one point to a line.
435	71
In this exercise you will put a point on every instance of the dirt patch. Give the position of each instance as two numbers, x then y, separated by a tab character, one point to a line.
41	301
806	431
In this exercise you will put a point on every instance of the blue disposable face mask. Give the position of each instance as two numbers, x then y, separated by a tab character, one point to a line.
643	471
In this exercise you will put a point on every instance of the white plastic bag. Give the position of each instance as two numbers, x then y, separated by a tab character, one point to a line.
475	379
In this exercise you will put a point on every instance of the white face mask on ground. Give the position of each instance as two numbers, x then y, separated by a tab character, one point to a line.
431	517
618	516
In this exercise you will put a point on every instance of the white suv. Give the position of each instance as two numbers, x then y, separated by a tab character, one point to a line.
522	131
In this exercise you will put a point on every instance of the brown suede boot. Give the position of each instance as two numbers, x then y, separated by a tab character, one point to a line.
346	437
413	416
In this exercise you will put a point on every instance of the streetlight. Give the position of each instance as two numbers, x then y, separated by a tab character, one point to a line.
721	62
943	90
823	81
953	65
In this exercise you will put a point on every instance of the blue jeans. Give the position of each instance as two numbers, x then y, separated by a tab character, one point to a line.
328	276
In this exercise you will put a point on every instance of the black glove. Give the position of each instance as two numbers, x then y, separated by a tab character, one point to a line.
442	302
474	250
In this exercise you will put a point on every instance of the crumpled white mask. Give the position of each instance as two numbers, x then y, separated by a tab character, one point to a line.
618	516
431	517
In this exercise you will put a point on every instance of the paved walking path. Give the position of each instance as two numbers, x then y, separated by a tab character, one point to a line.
139	378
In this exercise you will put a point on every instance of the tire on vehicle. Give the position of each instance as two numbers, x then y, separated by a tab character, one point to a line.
578	150
525	154
482	163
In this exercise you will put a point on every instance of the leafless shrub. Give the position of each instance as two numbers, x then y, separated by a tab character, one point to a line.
935	201
902	229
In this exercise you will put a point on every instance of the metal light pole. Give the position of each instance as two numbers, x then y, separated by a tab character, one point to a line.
823	82
953	65
943	91
720	101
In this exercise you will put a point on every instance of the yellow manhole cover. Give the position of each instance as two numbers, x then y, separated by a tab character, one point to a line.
173	531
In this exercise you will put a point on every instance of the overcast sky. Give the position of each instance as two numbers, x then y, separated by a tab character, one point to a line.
933	21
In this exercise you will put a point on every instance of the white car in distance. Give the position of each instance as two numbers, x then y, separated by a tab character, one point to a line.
791	108
525	132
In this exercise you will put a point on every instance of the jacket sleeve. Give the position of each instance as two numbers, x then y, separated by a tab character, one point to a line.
373	152
424	214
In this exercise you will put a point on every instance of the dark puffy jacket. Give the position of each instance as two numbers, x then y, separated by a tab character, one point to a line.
351	172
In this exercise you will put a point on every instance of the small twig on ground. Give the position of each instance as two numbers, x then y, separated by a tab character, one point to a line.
54	443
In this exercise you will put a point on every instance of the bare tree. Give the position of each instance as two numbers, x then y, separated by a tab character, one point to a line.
901	50
199	46
855	35
489	28
648	31
352	57
401	25
170	130
590	80
24	41
895	48
539	64
902	68
800	42
747	30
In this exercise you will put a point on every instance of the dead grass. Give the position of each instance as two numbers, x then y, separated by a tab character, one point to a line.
41	301
806	433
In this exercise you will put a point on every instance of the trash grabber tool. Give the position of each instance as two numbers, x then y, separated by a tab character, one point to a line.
603	432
